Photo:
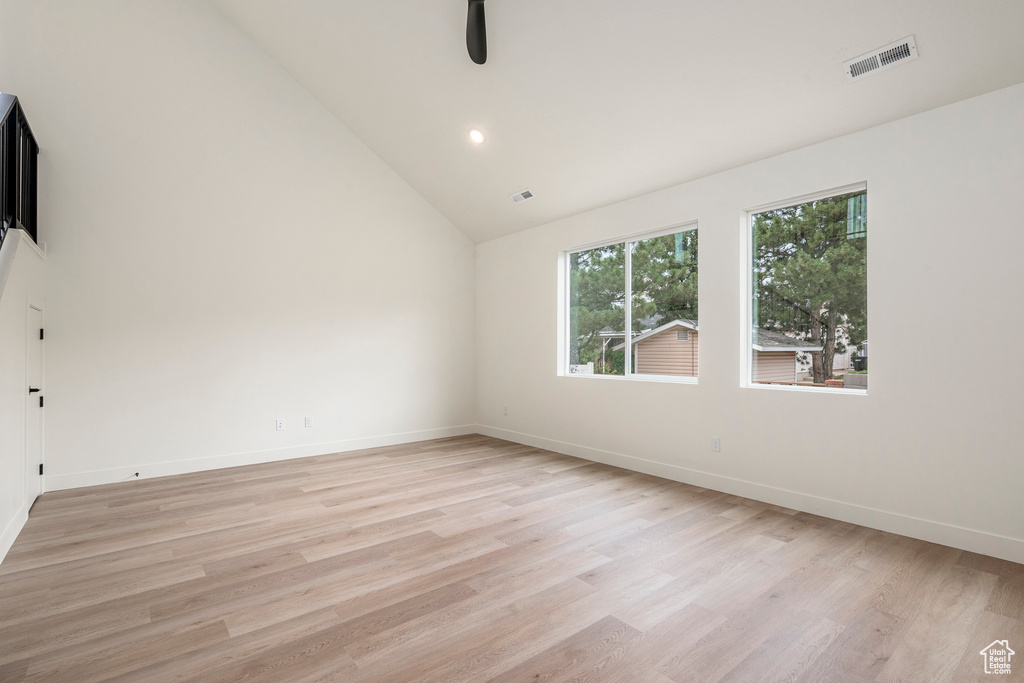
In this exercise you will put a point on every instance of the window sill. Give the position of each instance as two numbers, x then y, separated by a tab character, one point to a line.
806	390
663	379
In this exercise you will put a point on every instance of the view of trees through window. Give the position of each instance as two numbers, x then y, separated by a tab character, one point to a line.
809	277
597	309
659	300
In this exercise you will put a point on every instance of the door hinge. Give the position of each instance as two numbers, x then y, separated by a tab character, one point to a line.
40	401
40	469
40	333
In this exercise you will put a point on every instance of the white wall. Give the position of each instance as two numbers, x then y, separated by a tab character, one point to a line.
22	269
222	252
933	450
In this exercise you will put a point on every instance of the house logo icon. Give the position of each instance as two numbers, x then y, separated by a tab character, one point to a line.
997	657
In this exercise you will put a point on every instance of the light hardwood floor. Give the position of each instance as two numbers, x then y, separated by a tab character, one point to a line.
474	559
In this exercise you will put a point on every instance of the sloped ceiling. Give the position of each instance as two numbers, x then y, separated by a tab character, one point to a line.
588	102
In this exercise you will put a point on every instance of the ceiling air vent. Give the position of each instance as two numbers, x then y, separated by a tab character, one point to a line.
881	59
521	197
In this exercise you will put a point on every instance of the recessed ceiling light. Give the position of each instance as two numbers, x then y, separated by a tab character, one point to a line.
476	136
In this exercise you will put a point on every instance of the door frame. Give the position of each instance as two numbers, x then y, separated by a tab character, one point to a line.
32	335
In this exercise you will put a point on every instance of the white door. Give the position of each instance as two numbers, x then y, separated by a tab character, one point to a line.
34	405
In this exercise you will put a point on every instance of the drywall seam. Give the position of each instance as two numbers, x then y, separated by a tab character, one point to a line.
58	482
983	542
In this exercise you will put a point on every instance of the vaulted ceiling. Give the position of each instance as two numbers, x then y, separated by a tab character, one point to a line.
588	102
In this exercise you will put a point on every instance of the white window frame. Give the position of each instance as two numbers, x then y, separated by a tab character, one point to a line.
565	307
747	289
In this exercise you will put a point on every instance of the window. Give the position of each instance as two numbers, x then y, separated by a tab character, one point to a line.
809	293
632	307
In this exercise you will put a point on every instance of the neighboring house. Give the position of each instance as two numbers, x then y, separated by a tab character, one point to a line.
673	349
670	349
774	357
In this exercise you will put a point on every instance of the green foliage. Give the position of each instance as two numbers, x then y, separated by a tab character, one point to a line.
664	283
664	271
615	362
810	274
597	292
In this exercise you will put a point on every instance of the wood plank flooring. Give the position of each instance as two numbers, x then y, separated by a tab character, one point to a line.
474	559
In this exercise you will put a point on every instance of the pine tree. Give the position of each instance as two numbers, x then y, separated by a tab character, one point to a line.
597	291
810	274
664	271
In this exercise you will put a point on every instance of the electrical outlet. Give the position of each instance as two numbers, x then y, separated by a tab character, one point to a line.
280	423
309	421
506	410
716	444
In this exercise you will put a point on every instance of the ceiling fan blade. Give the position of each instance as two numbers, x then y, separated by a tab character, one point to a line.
476	32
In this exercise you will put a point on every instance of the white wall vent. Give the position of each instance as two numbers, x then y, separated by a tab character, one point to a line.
881	59
521	197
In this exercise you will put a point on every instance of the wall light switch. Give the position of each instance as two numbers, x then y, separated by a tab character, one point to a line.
280	423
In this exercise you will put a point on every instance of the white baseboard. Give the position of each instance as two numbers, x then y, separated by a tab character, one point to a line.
57	482
983	542
12	531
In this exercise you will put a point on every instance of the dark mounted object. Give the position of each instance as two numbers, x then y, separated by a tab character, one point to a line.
33	390
18	170
476	32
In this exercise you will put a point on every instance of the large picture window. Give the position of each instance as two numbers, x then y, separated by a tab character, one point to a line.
632	307
809	322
